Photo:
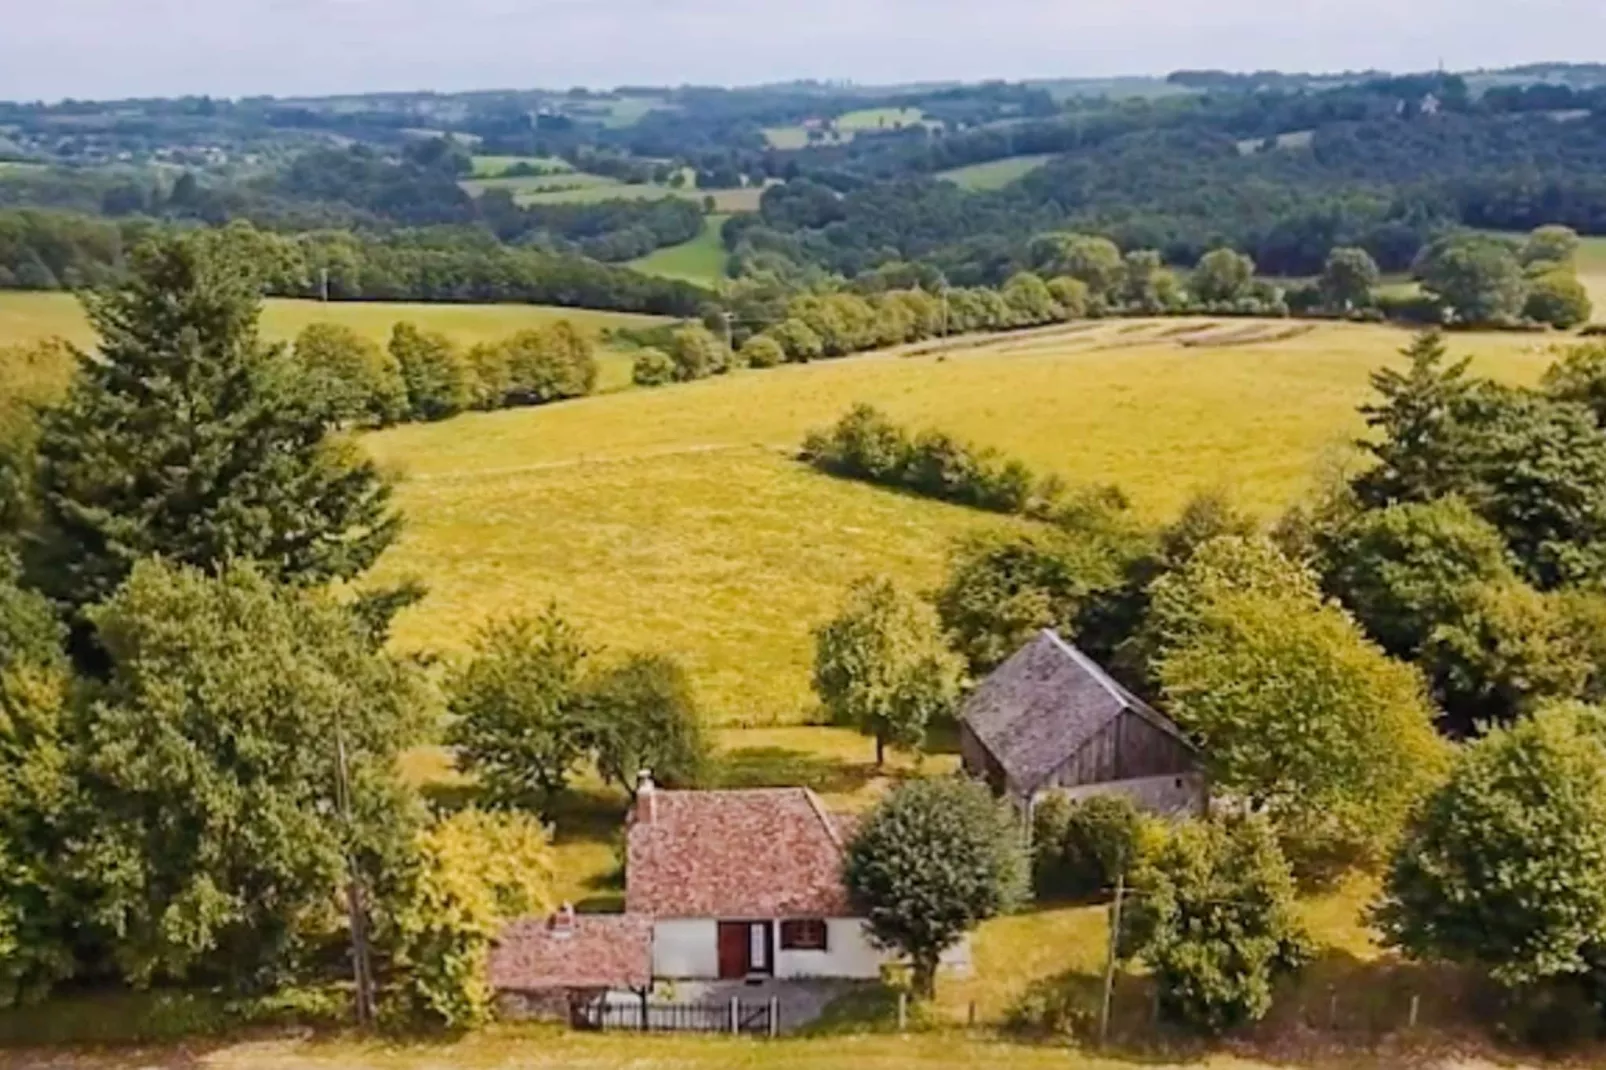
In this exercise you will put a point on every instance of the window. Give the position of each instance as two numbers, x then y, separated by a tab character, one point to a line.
804	934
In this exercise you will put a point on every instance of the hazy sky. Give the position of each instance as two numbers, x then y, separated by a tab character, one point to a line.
106	48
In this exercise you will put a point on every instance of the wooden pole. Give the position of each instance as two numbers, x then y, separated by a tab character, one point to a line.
1416	1006
903	1011
736	1015
775	1016
1109	962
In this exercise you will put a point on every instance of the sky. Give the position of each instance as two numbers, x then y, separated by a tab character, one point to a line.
97	49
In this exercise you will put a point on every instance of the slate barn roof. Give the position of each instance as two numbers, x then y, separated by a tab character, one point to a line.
735	855
596	951
1038	708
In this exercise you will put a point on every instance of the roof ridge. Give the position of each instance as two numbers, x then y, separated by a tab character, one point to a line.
1127	699
1093	668
825	819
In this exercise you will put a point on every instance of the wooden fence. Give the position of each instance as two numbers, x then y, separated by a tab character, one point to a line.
735	1017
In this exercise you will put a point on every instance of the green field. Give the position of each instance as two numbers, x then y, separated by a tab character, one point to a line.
677	519
845	126
995	174
878	119
492	166
701	260
26	317
579	187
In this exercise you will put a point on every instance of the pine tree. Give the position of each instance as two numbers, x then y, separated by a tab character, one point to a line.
1416	423
185	437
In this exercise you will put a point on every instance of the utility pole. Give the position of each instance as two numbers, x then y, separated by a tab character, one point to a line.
1109	963
730	346
324	284
945	309
356	908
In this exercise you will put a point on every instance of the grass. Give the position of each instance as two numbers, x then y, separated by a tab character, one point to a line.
676	519
878	119
577	187
845	127
524	187
27	317
493	166
995	174
701	260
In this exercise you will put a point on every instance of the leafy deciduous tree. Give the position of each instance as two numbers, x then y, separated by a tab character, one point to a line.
1217	921
519	719
934	859
881	666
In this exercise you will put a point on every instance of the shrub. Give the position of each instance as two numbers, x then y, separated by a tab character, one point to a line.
652	367
1559	299
697	354
798	340
549	364
762	351
1081	849
1071	295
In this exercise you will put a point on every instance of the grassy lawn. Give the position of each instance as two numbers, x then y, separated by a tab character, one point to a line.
995	174
701	260
675	519
726	201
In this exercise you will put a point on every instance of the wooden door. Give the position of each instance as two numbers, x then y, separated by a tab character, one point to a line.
733	943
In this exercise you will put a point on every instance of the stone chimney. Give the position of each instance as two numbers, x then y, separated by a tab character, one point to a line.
563	922
646	797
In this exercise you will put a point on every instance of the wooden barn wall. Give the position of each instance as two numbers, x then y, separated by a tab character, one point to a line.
1128	748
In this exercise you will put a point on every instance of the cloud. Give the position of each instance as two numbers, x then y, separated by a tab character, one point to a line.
106	48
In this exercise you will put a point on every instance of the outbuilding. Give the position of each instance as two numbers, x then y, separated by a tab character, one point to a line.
1051	720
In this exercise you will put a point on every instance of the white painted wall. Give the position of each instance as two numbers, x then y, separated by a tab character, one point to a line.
688	949
685	948
1169	796
847	954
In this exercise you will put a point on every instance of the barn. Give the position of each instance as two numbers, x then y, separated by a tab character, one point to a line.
1050	720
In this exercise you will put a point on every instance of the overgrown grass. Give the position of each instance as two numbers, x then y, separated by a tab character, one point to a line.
995	174
675	519
701	260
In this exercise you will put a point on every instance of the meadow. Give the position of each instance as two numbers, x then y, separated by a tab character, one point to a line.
677	519
580	187
494	166
847	125
700	261
995	174
26	317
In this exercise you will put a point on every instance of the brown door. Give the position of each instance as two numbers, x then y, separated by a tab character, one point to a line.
733	942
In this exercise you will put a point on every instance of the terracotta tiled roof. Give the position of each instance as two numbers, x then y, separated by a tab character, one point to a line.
734	855
600	951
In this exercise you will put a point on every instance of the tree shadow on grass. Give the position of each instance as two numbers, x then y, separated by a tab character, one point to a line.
784	767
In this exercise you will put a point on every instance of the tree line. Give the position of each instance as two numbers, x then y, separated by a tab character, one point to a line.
42	250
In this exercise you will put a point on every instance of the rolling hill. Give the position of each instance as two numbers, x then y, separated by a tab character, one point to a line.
677	519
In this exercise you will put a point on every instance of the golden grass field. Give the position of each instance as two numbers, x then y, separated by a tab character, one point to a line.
26	317
676	519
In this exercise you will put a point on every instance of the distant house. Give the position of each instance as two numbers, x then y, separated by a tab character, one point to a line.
1051	720
744	884
548	967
